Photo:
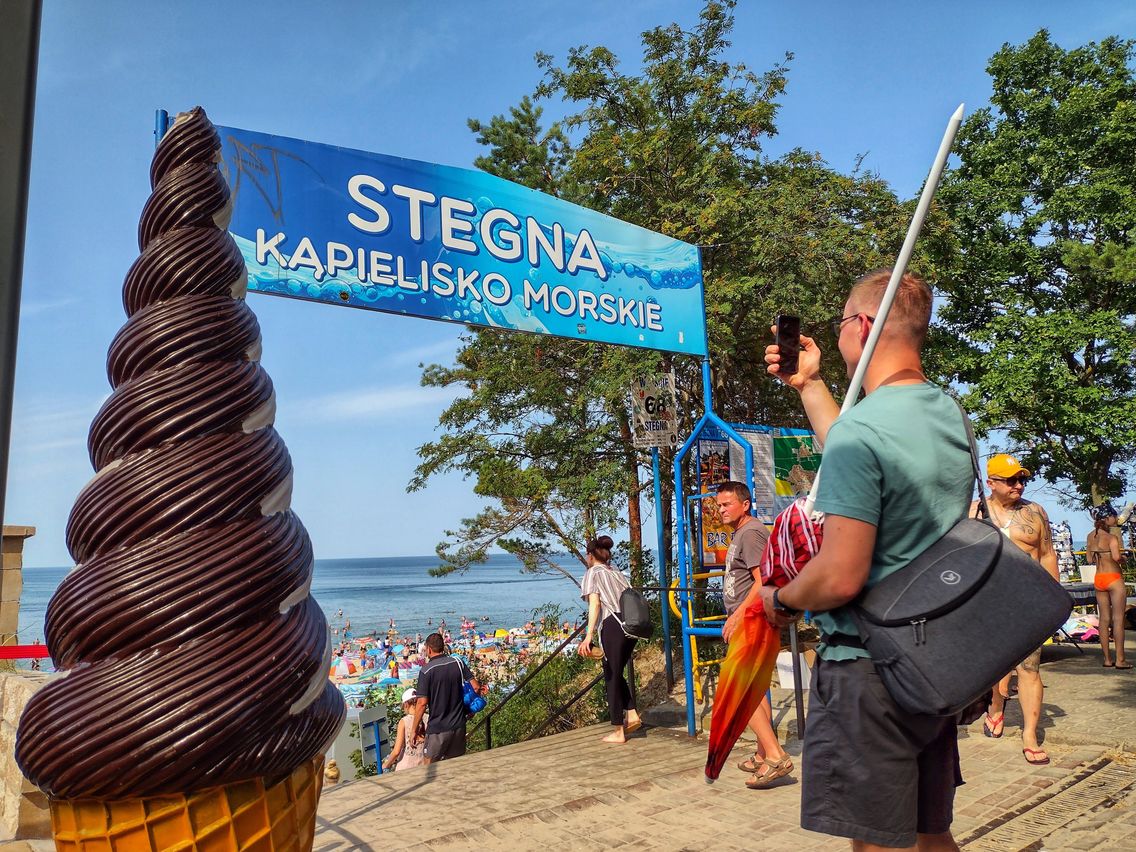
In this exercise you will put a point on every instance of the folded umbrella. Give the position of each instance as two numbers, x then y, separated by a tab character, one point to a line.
748	668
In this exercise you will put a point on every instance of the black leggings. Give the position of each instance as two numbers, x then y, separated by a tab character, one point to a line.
617	647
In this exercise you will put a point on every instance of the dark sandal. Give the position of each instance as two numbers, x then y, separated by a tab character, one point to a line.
1122	665
777	769
992	722
1035	761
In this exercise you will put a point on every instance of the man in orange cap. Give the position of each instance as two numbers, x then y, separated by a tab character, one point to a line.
1026	525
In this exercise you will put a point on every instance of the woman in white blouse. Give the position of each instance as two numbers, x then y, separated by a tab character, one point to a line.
602	588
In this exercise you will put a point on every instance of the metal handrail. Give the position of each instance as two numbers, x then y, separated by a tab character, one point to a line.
555	713
487	719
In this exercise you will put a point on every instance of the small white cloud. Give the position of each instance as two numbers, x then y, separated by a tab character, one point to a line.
431	353
375	403
43	425
33	309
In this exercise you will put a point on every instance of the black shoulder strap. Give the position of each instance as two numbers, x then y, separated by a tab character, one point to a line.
974	460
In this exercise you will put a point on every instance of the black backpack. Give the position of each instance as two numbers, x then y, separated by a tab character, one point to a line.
634	614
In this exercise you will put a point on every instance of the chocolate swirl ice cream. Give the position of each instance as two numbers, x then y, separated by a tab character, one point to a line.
196	655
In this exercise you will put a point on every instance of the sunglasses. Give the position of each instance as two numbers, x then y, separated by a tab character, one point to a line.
1012	480
836	324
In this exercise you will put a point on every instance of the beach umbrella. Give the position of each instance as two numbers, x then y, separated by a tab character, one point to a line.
752	655
797	532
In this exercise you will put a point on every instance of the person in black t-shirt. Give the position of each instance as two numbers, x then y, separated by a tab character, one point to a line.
441	687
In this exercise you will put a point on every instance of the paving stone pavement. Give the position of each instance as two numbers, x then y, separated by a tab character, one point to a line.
570	791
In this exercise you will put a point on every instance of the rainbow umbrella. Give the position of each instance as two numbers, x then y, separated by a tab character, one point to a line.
748	668
752	655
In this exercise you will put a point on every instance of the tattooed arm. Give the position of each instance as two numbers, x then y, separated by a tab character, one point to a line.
1046	555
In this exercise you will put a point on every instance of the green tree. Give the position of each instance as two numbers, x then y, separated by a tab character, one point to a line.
1041	271
539	432
676	148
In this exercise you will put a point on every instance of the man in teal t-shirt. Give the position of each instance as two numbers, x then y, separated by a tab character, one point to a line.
896	476
899	461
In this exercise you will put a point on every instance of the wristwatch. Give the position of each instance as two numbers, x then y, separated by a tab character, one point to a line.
781	608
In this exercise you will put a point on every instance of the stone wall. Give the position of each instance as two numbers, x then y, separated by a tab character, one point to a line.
12	581
23	808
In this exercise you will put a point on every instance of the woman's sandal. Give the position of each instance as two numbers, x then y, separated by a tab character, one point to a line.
777	769
990	725
1031	755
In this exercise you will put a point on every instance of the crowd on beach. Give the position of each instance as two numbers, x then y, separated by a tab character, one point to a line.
374	657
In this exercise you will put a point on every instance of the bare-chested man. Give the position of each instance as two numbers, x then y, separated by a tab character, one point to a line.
1026	525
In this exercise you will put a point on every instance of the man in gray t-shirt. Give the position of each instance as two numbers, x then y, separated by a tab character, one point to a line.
742	587
743	559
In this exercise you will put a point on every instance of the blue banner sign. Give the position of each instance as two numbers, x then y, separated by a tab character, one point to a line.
335	225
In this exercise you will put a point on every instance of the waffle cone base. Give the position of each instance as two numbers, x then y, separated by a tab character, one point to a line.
245	815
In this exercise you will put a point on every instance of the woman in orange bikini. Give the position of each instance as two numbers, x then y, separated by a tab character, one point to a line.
1103	549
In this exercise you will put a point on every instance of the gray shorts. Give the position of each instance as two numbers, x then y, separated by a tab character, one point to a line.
445	744
872	772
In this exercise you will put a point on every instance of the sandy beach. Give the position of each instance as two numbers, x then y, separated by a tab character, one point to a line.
496	655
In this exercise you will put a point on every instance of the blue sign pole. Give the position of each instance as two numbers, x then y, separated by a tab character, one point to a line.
161	125
664	573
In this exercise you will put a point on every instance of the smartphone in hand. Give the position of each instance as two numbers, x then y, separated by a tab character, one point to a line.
788	343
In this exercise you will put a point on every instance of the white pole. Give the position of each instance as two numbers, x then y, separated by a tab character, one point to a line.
897	272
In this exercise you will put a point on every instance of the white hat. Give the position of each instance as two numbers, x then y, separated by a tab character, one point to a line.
409	695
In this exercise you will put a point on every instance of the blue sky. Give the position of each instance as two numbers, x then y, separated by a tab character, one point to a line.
400	78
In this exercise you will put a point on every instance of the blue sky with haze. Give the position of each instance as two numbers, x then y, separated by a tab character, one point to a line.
401	78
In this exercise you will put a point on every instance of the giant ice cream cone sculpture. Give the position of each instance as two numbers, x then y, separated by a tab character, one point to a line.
197	708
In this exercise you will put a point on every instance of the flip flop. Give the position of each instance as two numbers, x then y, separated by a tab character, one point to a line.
632	727
991	722
1036	761
1110	665
1123	665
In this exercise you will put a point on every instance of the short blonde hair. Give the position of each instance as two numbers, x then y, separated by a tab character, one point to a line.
910	313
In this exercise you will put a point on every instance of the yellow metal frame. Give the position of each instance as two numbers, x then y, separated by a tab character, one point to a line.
696	663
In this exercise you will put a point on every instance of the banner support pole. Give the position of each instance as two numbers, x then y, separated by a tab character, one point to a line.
707	395
161	125
664	574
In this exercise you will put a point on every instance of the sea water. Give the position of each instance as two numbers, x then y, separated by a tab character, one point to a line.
372	591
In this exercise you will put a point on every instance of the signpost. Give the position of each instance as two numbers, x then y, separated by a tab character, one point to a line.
347	227
654	412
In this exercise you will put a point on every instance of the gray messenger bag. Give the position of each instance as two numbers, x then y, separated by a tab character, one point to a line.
947	627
